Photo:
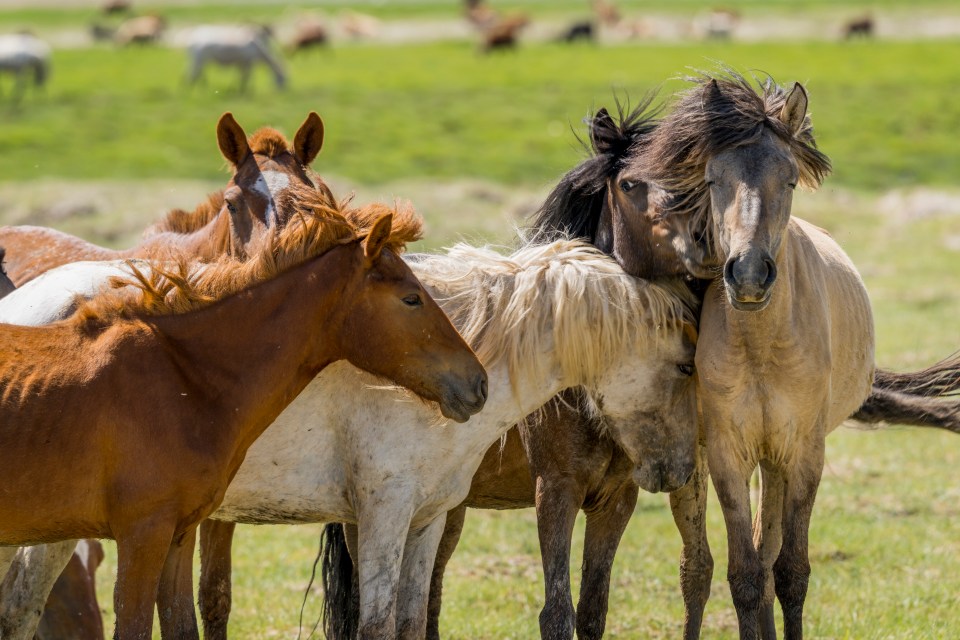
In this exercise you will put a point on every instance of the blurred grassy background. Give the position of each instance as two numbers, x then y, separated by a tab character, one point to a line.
475	142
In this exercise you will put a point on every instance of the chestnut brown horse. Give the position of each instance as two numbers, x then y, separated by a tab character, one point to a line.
154	401
230	221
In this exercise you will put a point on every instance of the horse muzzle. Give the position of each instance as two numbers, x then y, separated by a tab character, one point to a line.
464	400
749	280
655	477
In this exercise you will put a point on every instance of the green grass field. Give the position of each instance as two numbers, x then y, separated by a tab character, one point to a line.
885	542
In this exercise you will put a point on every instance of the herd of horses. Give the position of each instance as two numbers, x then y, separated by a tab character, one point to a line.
663	320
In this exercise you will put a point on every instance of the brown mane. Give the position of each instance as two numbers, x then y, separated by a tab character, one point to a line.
719	113
316	225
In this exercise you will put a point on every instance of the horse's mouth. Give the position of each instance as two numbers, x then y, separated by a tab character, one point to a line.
454	408
750	304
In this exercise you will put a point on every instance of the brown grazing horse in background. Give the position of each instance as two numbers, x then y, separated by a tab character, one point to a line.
219	353
230	221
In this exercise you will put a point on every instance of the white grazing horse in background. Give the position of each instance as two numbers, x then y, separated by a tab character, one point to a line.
543	319
232	45
22	54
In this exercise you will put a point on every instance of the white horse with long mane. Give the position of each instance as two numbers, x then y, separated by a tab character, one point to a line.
23	54
232	45
543	319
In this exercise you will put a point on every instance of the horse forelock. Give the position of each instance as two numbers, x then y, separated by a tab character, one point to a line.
719	113
407	225
566	291
179	284
268	142
574	206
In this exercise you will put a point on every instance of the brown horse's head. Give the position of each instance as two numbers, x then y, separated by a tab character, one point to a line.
393	328
265	168
608	202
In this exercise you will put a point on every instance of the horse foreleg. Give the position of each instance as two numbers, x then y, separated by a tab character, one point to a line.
452	529
216	540
28	585
767	538
731	479
605	527
383	526
141	553
175	597
558	501
415	573
792	568
689	507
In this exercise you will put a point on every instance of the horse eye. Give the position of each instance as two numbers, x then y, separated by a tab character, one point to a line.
627	185
413	301
685	369
232	208
792	185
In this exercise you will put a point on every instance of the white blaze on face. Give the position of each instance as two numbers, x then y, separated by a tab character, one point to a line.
270	184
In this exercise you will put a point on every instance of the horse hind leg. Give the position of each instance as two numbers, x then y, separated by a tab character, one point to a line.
452	529
767	538
689	507
792	567
605	527
215	597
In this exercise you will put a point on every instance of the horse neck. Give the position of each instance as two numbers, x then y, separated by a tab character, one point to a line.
273	338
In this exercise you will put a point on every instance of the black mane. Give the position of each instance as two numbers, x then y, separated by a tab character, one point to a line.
573	207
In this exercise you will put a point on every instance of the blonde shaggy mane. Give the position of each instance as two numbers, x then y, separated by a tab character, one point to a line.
567	291
719	113
315	226
184	222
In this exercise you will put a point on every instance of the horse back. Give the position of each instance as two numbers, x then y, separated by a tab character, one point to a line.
30	251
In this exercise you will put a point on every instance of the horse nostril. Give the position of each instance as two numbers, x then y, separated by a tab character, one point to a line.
771	272
728	271
481	387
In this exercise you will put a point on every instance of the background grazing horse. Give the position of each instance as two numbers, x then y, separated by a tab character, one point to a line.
344	449
23	54
786	348
236	46
145	470
233	221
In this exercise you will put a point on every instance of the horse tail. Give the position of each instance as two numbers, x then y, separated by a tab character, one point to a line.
271	61
940	379
341	602
893	407
920	398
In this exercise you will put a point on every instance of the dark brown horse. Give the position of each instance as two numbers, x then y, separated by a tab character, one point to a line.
230	221
221	353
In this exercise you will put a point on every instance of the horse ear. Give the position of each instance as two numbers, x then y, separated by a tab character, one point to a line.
309	139
602	130
794	108
377	238
232	139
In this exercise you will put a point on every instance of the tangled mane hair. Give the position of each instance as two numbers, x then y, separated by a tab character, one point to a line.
316	225
572	209
717	114
266	142
566	291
